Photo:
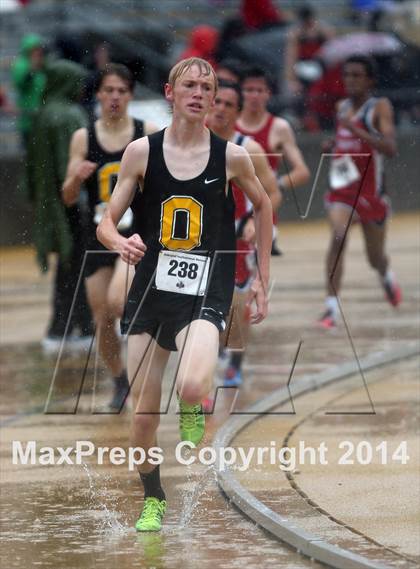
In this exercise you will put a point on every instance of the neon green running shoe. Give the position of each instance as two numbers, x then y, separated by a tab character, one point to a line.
152	514
192	422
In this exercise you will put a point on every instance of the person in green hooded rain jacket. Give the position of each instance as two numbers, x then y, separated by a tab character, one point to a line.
57	228
29	81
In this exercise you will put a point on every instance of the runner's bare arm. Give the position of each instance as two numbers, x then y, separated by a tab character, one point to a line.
384	120
286	143
78	169
264	172
385	123
241	171
132	170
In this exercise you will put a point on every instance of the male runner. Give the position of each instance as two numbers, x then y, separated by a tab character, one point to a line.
273	133
182	289
365	133
221	120
95	156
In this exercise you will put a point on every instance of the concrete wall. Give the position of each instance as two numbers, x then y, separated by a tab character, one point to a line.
403	183
16	217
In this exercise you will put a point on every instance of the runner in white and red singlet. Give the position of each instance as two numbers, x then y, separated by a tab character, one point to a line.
221	120
365	134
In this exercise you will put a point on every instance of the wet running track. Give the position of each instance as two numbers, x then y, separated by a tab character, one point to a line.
68	516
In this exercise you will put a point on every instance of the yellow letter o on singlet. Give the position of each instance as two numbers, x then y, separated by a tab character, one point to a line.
194	211
106	179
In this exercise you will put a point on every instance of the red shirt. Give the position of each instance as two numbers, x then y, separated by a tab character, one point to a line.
365	165
261	136
244	250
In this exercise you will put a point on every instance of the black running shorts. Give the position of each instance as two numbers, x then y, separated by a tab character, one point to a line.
164	323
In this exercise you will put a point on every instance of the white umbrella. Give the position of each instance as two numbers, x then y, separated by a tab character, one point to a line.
363	43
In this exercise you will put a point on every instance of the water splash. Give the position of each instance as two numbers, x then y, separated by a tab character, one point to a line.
190	499
102	499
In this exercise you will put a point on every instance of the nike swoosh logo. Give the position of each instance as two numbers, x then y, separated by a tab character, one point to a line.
210	181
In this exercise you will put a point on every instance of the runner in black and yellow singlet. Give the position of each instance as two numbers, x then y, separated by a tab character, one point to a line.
187	226
95	156
99	188
181	293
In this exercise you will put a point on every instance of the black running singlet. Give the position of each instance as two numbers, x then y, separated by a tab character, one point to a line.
102	182
183	224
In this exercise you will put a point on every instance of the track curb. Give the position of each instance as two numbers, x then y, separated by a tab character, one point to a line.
306	543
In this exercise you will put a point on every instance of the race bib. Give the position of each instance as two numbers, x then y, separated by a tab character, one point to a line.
183	273
125	221
343	172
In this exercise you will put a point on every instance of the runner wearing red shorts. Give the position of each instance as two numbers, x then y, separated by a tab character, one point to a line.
365	134
221	120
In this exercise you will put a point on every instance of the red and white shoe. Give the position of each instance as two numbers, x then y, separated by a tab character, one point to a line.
208	405
393	293
328	320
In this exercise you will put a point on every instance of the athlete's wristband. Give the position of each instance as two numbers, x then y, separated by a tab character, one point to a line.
281	185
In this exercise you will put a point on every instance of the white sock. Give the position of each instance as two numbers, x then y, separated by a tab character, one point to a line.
331	303
389	277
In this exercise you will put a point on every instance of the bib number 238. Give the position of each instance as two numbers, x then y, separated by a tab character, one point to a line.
183	273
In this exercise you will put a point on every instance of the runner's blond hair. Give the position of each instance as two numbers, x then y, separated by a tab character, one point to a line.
185	64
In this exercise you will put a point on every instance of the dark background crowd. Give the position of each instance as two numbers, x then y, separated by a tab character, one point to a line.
300	44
